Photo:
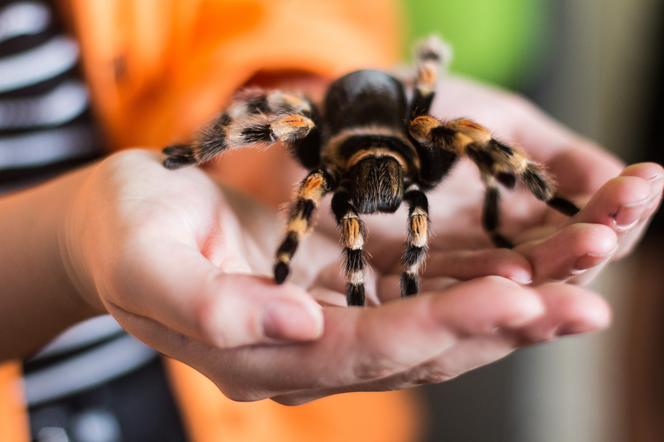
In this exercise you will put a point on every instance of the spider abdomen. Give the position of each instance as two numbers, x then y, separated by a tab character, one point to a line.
365	98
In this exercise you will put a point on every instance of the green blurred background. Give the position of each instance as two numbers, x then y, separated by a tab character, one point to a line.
497	41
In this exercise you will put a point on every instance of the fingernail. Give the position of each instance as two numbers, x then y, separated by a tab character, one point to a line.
292	321
628	215
656	184
658	177
522	278
590	260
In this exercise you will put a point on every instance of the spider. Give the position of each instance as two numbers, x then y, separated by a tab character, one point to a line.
373	149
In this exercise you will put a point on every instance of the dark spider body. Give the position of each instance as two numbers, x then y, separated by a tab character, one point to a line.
373	149
370	99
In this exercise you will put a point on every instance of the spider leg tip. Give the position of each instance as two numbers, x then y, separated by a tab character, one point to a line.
281	272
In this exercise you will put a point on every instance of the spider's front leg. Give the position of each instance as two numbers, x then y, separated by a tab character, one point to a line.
310	192
255	117
418	241
353	235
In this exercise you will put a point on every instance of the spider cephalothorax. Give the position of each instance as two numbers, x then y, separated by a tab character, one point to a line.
373	149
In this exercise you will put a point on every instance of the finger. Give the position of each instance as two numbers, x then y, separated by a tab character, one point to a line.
389	287
477	351
444	268
470	264
362	344
177	286
654	174
569	252
619	204
569	310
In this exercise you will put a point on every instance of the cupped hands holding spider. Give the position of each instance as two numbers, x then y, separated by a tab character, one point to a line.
180	265
375	149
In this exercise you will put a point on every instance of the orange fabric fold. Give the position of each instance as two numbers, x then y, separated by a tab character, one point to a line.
13	418
369	417
159	69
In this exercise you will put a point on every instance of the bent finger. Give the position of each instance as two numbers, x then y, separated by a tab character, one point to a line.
568	252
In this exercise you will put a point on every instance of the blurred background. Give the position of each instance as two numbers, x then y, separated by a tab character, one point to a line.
597	66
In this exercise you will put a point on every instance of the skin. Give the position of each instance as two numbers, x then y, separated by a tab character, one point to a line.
181	264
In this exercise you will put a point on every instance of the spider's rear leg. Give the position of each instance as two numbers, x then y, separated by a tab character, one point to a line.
311	190
491	214
430	55
353	235
497	162
255	117
501	163
418	241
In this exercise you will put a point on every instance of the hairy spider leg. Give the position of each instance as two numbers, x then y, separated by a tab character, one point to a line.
435	161
255	117
508	164
490	213
310	192
502	163
353	235
499	163
418	241
543	187
430	55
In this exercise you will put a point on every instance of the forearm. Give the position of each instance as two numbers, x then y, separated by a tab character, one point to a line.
38	297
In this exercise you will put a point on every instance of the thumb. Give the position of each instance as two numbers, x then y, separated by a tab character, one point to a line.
244	309
176	286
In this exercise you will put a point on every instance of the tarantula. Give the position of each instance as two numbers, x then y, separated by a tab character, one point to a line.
374	149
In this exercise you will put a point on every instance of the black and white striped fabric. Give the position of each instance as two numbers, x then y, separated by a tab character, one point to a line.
87	379
45	122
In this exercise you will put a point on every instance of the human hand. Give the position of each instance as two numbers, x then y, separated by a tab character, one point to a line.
163	251
618	203
146	242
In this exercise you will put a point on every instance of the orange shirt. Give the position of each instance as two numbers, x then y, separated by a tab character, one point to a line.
157	71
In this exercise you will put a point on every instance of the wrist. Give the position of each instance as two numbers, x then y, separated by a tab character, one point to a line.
73	236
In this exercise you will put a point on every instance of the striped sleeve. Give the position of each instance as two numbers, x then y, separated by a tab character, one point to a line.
45	119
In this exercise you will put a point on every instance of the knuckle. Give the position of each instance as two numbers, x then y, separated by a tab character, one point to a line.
204	318
379	356
114	167
291	400
127	158
220	317
238	391
210	312
370	369
494	280
433	374
242	395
